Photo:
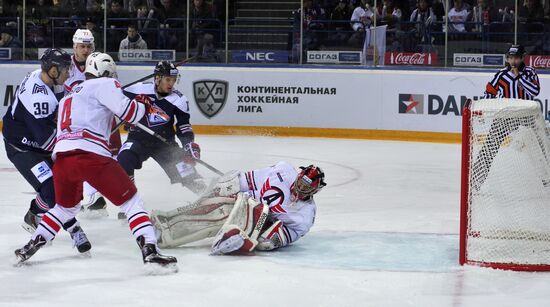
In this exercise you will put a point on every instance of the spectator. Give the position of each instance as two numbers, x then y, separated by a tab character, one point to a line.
114	34
41	11
458	16
117	11
7	40
531	11
483	14
91	24
133	40
93	7
361	17
423	16
168	10
339	17
143	11
391	14
201	15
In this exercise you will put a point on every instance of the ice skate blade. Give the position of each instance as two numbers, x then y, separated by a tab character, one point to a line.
155	269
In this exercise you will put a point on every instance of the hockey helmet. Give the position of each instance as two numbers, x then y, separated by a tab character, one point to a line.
310	180
101	65
55	57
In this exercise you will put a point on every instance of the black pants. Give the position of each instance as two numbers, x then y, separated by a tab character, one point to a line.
36	168
134	152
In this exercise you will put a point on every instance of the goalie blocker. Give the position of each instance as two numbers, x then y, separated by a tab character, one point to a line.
244	216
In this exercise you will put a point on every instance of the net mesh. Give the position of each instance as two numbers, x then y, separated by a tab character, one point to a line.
509	198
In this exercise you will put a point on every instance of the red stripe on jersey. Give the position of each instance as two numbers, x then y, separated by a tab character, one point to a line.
249	181
491	89
140	220
131	111
53	225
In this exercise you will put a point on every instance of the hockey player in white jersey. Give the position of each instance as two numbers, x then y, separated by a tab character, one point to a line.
82	153
83	45
29	132
263	209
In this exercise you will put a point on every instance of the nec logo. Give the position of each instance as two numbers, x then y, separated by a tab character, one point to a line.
260	56
411	103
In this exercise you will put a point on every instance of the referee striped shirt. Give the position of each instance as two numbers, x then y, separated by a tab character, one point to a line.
505	85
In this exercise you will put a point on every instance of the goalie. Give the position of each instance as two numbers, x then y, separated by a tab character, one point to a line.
263	209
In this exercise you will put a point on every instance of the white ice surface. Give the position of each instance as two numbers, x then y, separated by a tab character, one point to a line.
385	235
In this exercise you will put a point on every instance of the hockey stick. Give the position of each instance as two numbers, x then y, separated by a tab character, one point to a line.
164	140
115	128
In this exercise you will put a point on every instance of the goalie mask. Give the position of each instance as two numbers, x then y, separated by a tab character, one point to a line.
310	180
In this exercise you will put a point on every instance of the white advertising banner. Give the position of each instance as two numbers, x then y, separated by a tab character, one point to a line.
405	100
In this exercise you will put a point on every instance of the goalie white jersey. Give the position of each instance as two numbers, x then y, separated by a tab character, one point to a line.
271	186
86	124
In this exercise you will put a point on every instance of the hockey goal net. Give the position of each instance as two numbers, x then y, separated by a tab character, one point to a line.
505	188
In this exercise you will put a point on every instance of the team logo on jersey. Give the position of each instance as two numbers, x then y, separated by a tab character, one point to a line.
272	196
210	96
39	89
156	116
411	104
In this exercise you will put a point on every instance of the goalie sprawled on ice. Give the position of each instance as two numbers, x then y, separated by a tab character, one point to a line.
263	209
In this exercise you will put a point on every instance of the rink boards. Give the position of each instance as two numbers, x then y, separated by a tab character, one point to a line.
405	105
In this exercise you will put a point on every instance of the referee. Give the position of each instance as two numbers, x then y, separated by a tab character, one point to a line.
515	80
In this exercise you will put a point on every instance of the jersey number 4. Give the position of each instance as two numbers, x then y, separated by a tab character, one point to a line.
66	115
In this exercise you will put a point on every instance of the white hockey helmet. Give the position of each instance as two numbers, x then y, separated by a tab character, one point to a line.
101	64
83	36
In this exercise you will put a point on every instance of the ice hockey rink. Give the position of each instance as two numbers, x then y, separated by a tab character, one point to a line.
386	234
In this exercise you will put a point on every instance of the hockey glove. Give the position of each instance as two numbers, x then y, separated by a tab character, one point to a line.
191	152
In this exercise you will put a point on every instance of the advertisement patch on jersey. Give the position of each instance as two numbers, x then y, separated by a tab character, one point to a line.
411	103
41	171
210	96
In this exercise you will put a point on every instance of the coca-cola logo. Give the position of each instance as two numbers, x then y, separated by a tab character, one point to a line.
540	61
410	58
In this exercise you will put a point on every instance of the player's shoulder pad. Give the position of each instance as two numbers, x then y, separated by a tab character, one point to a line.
33	90
179	100
147	88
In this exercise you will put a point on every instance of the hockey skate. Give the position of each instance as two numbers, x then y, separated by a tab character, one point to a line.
27	251
80	240
94	207
31	221
155	262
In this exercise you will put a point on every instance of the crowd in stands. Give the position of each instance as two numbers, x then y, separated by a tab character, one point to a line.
139	19
420	20
160	24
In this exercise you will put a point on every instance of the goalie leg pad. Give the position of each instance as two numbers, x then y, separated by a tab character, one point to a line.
197	221
245	221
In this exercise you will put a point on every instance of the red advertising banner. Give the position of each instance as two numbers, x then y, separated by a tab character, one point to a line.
538	61
410	58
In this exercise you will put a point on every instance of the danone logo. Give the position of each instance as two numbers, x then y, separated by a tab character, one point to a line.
411	103
210	96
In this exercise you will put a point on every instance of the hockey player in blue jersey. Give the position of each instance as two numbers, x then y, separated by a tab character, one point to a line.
29	131
169	108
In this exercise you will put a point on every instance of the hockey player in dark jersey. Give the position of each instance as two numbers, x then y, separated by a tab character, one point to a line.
171	108
29	131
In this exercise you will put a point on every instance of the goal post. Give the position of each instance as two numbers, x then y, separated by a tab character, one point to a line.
505	186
